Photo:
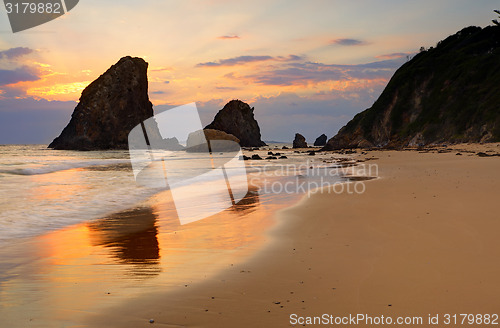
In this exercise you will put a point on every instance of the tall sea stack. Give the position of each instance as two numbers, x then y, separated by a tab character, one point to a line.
109	108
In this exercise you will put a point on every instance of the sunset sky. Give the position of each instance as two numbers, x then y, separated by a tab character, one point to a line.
306	66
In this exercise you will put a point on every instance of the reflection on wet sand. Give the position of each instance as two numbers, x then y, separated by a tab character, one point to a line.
131	238
247	204
225	231
124	254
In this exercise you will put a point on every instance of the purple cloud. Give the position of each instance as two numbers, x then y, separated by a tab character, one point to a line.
15	52
228	37
240	60
227	88
394	55
310	72
307	72
289	58
235	61
21	74
348	42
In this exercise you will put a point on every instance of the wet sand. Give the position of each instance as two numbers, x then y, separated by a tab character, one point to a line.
60	278
421	240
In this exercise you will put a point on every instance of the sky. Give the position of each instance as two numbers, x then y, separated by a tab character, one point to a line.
305	66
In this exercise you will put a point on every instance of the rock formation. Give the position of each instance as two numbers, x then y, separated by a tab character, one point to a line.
321	140
109	108
446	94
299	141
237	118
203	141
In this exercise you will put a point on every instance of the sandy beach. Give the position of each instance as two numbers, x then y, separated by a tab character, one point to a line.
420	240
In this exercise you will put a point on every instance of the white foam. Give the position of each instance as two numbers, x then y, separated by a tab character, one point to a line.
45	168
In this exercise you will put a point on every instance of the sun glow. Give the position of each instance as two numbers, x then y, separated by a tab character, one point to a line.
62	91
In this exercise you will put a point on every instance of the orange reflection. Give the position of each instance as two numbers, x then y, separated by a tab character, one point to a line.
130	237
86	266
228	230
66	247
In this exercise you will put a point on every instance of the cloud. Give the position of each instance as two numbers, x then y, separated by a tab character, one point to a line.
303	74
394	55
241	60
381	64
311	72
235	61
13	53
227	88
160	69
159	92
22	74
15	69
348	42
228	37
289	58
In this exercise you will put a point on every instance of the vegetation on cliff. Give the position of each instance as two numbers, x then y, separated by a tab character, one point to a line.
448	93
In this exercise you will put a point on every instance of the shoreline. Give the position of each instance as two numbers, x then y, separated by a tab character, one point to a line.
61	276
419	241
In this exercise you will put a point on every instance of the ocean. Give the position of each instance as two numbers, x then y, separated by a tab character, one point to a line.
44	189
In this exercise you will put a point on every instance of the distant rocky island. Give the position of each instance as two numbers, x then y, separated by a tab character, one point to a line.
446	94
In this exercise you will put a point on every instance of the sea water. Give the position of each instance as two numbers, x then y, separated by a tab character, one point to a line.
43	189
